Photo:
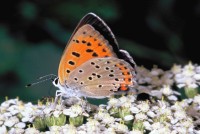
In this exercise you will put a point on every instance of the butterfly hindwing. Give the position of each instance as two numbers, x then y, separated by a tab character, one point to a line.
100	76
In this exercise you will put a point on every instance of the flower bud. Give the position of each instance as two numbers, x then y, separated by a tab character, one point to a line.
39	123
76	121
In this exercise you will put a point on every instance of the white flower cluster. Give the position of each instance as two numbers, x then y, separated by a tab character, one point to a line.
187	76
158	82
123	115
15	115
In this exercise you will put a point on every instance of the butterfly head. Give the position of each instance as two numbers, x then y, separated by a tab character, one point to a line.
56	83
64	90
61	87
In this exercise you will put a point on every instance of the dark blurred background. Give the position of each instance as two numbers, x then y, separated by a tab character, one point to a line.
33	35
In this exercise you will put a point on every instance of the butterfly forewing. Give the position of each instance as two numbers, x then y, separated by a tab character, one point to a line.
87	43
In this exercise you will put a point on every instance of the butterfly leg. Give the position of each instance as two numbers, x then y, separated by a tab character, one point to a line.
57	97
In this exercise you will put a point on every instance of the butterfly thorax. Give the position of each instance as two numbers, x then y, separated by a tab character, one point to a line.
64	90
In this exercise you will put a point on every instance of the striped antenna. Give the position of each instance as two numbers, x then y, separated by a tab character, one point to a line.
43	79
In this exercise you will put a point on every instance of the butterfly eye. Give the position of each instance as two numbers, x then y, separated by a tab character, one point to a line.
55	82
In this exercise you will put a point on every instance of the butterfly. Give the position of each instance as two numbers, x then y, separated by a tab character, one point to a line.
92	65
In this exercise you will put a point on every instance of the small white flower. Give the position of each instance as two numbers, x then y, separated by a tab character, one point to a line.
167	90
196	131
131	98
31	131
173	121
8	103
11	108
180	114
2	117
135	132
185	103
165	111
181	130
191	130
113	102
1	122
172	98
3	130
176	107
174	132
140	116
128	117
134	110
120	128
109	130
147	125
100	115
11	121
82	127
73	111
188	70
81	132
47	110
16	131
20	125
104	117
181	85
148	79
27	112
68	129
67	111
93	126
187	77
144	106
176	69
154	108
164	130
187	123
55	129
14	112
127	104
108	119
155	131
191	84
151	114
156	125
197	99
7	115
56	113
157	93
196	76
197	69
25	119
123	100
156	81
167	78
156	71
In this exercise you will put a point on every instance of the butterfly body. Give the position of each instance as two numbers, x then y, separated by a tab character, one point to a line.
92	64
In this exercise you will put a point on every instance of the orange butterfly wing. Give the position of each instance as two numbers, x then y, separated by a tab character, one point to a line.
92	38
86	43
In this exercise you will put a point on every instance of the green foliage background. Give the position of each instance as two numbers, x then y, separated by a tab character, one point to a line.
34	33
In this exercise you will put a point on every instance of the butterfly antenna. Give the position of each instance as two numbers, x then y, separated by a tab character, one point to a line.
43	79
49	75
